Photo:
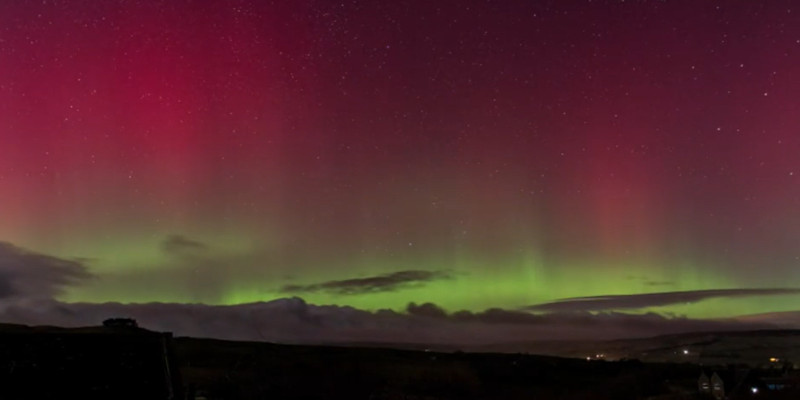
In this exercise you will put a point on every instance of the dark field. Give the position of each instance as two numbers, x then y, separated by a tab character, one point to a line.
136	364
89	363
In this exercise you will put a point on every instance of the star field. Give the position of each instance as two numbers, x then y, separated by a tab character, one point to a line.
473	154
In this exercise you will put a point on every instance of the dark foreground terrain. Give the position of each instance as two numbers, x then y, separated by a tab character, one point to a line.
132	363
254	370
92	363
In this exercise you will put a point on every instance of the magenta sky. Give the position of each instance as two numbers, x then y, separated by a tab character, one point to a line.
473	154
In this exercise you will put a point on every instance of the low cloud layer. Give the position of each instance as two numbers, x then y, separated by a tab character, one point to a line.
292	320
29	275
372	284
639	301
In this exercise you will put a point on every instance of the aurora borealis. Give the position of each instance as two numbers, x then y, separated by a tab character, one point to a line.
471	154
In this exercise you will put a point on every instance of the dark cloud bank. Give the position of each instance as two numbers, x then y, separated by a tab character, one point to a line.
639	301
292	320
26	275
372	284
29	283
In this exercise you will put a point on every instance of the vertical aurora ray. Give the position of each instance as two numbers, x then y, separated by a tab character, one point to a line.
531	151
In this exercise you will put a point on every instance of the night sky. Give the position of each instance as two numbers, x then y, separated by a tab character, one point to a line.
470	154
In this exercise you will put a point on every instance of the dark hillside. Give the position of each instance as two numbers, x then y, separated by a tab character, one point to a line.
96	363
220	369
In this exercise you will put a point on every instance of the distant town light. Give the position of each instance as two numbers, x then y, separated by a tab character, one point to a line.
774	360
685	352
754	390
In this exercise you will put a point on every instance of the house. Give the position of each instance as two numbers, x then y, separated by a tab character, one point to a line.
703	383
717	387
736	383
714	385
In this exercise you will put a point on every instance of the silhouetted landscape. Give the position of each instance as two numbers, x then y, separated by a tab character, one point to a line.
126	362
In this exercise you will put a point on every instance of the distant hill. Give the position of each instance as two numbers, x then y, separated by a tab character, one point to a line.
224	369
754	348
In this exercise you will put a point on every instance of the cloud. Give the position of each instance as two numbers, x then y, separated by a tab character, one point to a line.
183	269
372	284
426	310
638	301
489	316
180	245
784	319
292	320
26	275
